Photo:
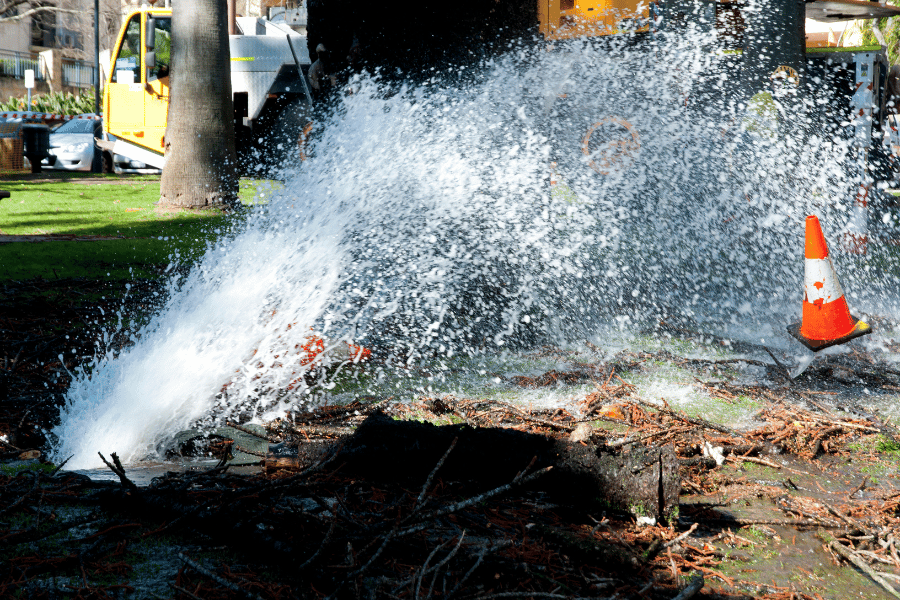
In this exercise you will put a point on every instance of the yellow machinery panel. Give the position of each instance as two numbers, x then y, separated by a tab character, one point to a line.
156	110
136	98
562	19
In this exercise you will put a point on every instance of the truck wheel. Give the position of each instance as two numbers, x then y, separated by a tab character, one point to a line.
106	163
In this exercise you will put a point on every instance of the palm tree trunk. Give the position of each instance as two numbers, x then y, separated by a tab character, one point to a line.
199	143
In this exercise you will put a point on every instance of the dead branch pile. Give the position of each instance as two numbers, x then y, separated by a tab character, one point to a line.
314	528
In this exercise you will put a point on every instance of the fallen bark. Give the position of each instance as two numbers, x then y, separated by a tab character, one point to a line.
691	590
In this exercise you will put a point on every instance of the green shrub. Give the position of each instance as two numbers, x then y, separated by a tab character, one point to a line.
889	30
59	103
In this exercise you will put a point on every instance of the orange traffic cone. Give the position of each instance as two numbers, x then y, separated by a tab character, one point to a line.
826	317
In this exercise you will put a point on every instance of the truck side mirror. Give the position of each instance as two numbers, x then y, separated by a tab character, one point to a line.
150	34
150	60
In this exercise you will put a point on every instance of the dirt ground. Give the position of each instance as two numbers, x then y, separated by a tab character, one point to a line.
800	502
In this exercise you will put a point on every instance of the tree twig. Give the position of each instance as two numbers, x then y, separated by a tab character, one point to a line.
859	488
221	581
431	476
692	588
118	470
752	459
627	441
784	369
366	566
684	535
59	467
318	551
852	557
447	558
548	595
22	498
425	566
695	420
33	534
481	555
183	591
518	480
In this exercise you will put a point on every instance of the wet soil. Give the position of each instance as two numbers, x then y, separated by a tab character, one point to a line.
48	328
773	557
815	465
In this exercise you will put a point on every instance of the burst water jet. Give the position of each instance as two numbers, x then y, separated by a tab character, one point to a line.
424	225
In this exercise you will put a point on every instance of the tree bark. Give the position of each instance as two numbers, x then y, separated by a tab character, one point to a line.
199	143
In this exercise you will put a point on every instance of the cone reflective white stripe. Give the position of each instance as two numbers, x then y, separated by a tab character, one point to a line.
819	281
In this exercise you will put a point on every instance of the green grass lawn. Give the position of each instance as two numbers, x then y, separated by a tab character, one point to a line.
122	209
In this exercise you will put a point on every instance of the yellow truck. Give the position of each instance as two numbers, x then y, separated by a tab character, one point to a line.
565	19
268	62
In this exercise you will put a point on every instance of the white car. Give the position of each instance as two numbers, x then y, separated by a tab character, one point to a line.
72	146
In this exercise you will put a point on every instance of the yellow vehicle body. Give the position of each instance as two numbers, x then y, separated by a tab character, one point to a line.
136	96
563	19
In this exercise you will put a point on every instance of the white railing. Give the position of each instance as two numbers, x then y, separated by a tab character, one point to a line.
77	73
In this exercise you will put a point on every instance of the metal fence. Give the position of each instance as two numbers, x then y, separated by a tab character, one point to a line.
75	73
14	64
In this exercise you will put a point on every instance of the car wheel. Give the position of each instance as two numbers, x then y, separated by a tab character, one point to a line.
107	163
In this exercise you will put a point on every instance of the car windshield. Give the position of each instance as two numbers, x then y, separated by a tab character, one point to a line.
76	126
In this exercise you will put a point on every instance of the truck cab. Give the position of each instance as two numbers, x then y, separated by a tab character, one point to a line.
269	66
136	97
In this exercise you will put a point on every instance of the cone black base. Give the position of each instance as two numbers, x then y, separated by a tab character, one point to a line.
859	330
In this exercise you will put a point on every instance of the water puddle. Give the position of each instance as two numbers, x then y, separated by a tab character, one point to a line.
142	473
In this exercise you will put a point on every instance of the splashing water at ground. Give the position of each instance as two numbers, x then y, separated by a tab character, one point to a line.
446	226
